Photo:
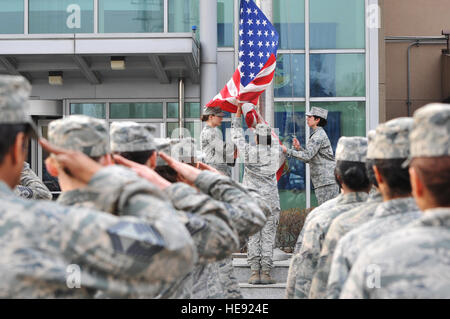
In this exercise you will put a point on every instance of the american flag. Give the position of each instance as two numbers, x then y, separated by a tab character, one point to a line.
258	43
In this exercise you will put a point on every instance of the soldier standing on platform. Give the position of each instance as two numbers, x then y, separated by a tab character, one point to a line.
319	154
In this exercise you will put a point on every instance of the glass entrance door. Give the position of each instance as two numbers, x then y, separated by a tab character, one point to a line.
49	181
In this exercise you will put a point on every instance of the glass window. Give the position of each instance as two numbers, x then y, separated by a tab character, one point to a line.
136	110
290	121
61	16
289	20
183	14
194	129
11	16
93	110
49	181
131	16
338	75
289	78
191	110
337	24
225	21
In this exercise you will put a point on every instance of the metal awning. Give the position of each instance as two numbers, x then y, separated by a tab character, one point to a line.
162	56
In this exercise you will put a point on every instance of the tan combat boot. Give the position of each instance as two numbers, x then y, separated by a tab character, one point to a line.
266	279
254	279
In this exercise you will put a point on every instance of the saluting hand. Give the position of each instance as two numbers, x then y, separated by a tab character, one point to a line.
189	172
144	171
76	164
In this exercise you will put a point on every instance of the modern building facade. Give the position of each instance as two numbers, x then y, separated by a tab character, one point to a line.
141	59
414	69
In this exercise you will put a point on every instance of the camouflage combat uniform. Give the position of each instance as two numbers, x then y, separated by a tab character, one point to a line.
391	142
290	282
412	262
261	164
214	281
222	282
388	217
339	227
47	248
319	154
31	186
342	225
217	153
207	219
247	215
349	149
126	257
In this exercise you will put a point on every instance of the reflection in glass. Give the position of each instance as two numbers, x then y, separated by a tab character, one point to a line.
338	75
337	24
11	17
136	110
61	16
225	21
290	121
89	109
183	14
289	80
289	20
130	16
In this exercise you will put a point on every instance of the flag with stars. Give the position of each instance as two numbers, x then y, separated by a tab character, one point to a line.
258	43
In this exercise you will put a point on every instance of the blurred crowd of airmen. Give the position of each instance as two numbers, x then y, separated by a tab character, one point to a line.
144	217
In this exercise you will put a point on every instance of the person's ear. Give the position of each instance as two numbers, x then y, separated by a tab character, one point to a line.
19	149
416	184
51	166
378	176
152	160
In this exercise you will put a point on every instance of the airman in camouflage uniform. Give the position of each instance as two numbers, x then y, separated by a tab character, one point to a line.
217	153
290	282
391	142
31	186
42	241
216	280
342	225
413	262
206	219
319	154
349	149
261	164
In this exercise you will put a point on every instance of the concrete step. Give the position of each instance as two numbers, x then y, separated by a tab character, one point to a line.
242	270
275	291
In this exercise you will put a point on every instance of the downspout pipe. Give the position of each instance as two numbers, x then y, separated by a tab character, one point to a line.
408	102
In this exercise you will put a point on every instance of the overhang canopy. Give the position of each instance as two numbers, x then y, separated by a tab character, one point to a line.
162	56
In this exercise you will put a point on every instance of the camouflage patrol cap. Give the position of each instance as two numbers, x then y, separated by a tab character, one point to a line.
131	137
182	149
429	136
391	139
80	133
263	130
352	149
370	146
217	111
318	111
14	94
